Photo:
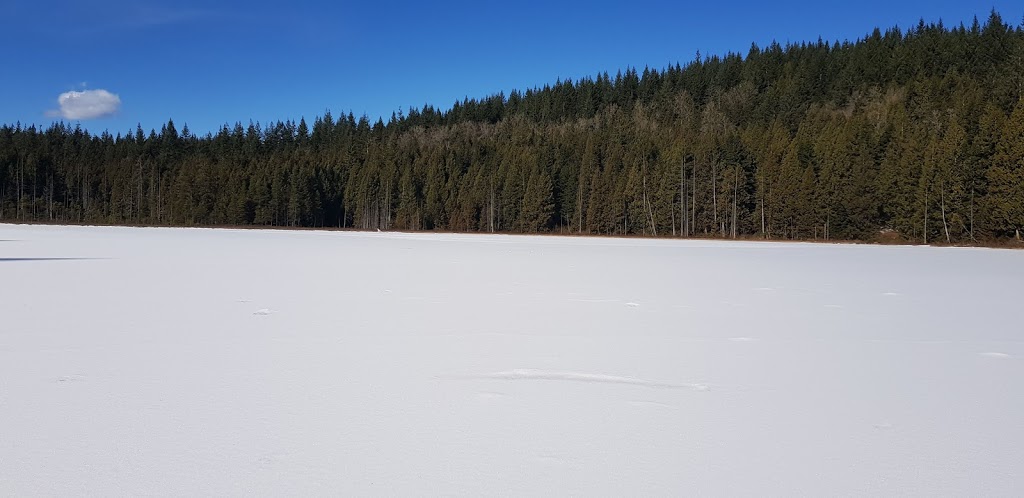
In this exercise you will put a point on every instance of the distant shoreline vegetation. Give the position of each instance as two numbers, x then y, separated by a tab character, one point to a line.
903	136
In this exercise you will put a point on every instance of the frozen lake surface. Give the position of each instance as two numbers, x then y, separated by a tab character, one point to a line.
143	361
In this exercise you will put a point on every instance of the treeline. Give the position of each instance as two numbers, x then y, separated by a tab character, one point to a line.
916	134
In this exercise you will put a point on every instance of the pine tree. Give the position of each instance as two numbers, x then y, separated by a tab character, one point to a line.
1006	176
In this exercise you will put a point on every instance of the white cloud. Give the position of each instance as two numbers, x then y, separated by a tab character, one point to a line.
87	104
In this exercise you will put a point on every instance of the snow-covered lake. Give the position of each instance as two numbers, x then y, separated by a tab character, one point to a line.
139	361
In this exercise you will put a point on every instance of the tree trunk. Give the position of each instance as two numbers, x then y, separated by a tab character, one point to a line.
925	231
693	201
735	193
683	219
944	225
673	213
654	229
579	207
763	233
649	212
21	177
714	190
972	212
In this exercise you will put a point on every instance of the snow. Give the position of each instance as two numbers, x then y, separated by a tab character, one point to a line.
145	361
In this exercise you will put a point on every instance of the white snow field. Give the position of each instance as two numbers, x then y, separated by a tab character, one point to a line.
148	361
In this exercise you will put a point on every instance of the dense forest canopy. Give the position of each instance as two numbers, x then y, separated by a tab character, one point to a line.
915	134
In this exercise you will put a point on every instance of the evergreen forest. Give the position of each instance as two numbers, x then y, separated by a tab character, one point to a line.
906	134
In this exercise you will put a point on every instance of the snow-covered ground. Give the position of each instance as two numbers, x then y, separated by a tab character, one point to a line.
224	362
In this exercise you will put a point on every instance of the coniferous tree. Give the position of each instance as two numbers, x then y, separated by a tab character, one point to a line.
915	133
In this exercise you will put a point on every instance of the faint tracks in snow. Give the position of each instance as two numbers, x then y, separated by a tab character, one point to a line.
995	355
15	260
552	375
628	304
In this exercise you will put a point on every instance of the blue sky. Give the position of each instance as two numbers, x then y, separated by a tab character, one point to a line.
209	63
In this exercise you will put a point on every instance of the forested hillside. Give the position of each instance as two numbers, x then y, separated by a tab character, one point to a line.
915	134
